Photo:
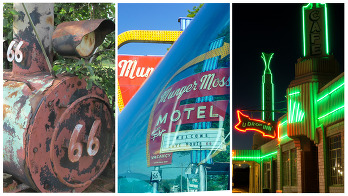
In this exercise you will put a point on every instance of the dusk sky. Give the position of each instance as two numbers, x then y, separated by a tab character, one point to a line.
275	28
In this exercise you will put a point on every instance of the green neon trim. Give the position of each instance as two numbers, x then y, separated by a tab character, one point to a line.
331	112
290	110
302	115
270	154
272	99
298	110
304	28
296	114
293	113
263	98
246	157
281	124
326	31
331	92
267	60
295	93
283	137
295	109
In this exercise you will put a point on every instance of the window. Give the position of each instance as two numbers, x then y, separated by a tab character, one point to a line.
267	175
286	164
293	167
290	167
335	156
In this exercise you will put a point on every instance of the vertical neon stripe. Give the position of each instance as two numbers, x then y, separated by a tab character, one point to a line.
326	31
290	110
304	31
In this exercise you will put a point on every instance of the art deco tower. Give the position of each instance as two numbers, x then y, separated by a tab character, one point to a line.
267	99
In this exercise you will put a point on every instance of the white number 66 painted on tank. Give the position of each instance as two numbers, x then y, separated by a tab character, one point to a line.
17	54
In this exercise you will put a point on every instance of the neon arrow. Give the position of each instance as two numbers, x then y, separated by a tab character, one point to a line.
247	124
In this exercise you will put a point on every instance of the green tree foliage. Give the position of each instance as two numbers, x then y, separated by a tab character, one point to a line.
184	183
99	68
8	13
217	182
194	11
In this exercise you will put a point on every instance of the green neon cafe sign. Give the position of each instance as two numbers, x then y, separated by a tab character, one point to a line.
314	19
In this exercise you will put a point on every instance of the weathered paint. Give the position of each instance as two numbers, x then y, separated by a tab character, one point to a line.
15	122
38	126
87	45
33	57
41	112
81	38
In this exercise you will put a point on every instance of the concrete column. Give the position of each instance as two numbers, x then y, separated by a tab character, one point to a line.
232	173
280	168
272	183
252	178
321	163
299	170
261	176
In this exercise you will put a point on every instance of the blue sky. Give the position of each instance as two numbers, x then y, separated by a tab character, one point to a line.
150	16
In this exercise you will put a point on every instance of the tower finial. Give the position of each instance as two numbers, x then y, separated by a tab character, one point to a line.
267	89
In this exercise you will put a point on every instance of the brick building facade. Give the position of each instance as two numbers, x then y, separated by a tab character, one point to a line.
298	164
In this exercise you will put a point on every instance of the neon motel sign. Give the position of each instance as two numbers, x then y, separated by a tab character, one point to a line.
245	123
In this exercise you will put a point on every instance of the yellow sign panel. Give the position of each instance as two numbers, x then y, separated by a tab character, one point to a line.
143	36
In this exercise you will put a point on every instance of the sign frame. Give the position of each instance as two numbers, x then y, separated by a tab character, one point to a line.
245	123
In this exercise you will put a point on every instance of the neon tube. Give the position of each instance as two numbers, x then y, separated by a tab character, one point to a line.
239	114
330	92
331	112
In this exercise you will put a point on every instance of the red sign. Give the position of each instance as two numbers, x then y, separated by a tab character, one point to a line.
169	112
245	123
133	71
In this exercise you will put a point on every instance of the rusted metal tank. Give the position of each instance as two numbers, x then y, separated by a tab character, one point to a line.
58	136
81	38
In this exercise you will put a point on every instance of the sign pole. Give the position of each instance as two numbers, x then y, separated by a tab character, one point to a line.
155	184
202	178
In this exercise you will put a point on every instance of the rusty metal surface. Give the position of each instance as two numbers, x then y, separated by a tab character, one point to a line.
10	185
57	136
18	103
105	183
80	38
33	59
38	126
